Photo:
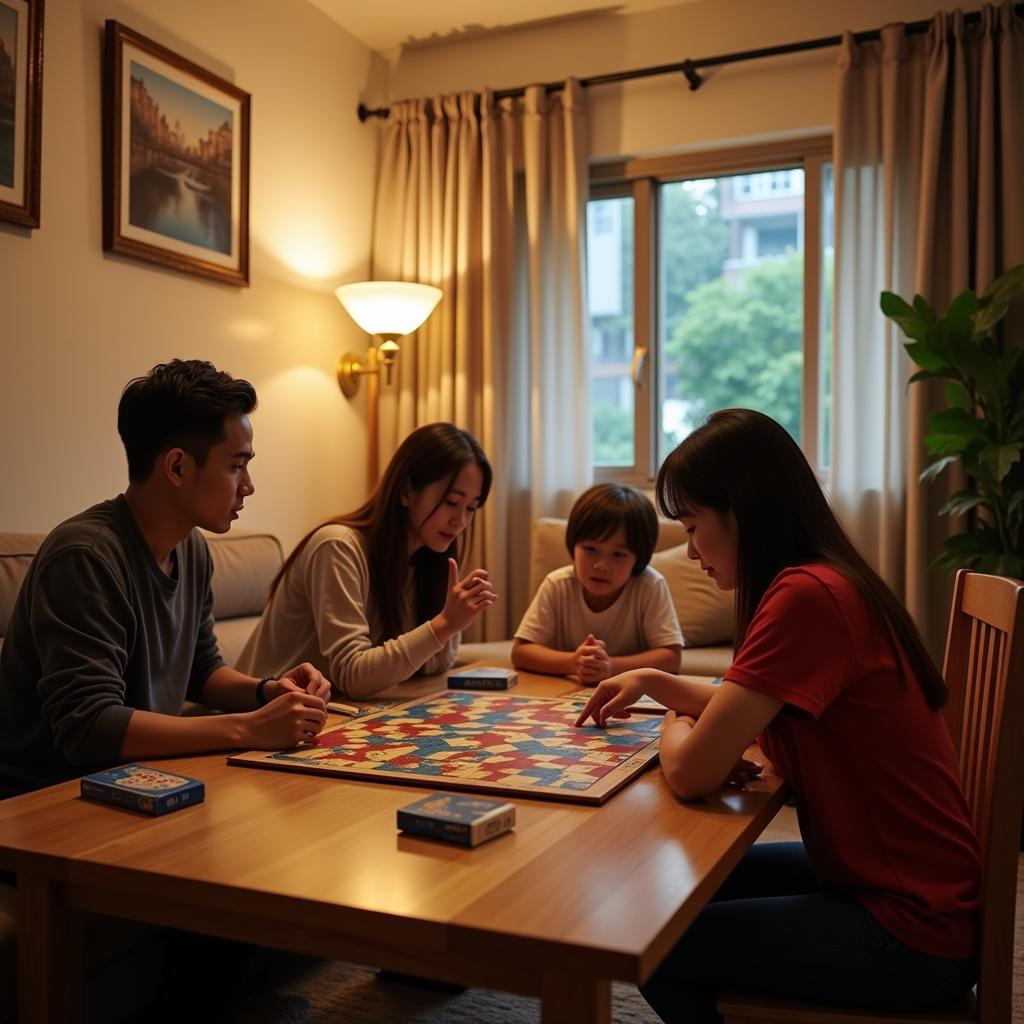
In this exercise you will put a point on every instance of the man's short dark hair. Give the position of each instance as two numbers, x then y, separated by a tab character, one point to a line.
180	404
602	509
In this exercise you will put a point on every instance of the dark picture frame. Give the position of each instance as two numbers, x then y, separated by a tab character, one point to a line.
175	160
21	110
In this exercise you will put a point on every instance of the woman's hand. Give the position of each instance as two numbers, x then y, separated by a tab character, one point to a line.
303	678
744	771
466	598
612	699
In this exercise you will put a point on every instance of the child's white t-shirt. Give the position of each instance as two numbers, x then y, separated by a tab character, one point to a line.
640	618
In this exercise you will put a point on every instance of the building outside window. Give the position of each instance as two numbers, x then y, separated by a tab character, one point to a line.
708	291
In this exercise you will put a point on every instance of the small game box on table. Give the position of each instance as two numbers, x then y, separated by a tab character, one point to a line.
483	679
143	789
455	818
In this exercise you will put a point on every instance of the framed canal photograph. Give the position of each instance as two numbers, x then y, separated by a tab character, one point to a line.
21	109
175	160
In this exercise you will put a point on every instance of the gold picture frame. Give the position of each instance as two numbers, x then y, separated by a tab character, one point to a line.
176	160
21	110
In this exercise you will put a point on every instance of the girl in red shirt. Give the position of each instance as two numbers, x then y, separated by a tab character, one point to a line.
877	906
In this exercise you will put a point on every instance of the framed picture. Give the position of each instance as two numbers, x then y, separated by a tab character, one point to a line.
21	109
175	160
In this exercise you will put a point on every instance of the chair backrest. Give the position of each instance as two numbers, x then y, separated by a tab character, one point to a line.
984	668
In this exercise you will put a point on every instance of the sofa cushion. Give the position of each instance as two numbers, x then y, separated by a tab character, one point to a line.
705	613
548	551
16	553
232	635
706	661
244	565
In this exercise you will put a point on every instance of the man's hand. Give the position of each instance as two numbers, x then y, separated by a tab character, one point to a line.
291	718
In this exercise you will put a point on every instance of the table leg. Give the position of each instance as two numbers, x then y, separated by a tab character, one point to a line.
574	999
50	953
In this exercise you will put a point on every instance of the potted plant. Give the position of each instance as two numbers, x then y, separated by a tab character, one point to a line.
983	426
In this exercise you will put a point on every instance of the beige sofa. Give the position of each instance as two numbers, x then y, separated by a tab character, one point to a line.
243	566
705	613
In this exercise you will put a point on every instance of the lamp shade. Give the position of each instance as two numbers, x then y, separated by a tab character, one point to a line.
388	307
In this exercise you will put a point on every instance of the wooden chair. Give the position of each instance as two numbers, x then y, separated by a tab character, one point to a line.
984	668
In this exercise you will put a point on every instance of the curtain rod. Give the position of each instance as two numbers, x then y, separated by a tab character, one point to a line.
690	69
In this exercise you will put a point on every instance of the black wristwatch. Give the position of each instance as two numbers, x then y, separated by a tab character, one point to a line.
261	697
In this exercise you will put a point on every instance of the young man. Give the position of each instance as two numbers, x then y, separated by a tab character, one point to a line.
112	629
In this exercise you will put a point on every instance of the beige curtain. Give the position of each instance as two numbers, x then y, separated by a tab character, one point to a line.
486	199
929	164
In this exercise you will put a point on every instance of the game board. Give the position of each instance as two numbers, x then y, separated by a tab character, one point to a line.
527	746
645	704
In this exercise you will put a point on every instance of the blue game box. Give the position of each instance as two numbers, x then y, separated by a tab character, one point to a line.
456	818
139	788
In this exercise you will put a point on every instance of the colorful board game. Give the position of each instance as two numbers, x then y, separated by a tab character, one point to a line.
646	704
527	746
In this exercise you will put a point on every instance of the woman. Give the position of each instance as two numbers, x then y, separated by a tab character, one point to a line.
877	906
374	596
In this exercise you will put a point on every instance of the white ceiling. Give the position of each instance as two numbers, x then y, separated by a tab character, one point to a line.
389	24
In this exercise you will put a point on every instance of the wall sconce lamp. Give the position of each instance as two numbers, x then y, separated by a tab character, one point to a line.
387	309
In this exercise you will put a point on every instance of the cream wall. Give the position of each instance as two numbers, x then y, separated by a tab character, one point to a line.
75	324
764	98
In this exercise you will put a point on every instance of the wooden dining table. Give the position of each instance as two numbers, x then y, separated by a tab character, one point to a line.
572	899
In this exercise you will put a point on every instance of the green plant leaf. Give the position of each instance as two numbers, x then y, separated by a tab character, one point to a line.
974	365
924	312
927	358
1000	458
932	471
903	316
981	541
960	423
957	397
960	312
961	502
945	444
1000	565
1000	293
922	375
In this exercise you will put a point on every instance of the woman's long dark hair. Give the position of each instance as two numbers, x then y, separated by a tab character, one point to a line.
437	451
744	462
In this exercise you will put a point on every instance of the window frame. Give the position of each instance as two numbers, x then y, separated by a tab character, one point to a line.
639	179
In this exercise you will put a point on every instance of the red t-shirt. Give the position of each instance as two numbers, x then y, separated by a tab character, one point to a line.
878	792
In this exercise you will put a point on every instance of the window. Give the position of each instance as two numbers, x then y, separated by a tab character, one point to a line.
709	286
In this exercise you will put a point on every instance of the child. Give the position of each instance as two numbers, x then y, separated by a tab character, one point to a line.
830	673
609	611
374	596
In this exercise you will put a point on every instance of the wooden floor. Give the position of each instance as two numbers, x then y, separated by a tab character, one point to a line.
783	828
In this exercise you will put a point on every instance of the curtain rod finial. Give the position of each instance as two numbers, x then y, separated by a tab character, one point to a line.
363	112
691	75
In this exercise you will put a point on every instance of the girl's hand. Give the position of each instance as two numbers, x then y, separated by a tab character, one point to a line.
303	678
744	771
612	699
467	598
591	661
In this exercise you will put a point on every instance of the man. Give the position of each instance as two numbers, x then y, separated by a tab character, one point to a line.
112	629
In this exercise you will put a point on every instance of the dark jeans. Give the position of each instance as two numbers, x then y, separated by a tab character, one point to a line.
771	928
